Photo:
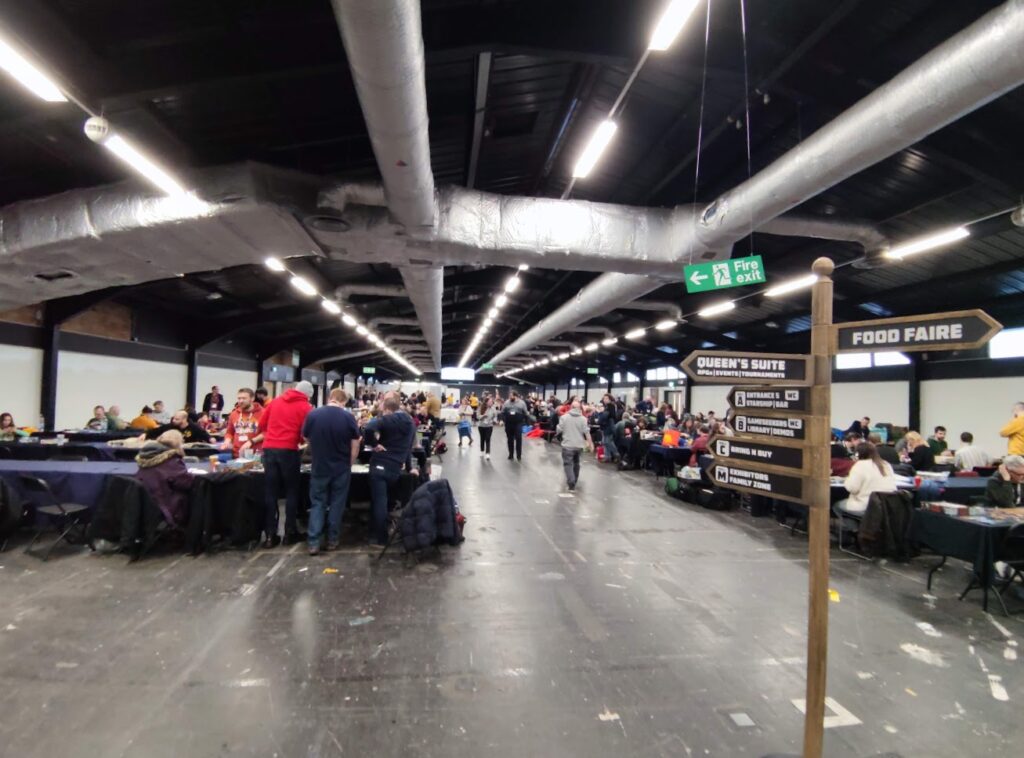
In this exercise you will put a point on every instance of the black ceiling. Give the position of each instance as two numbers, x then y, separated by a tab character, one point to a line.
209	82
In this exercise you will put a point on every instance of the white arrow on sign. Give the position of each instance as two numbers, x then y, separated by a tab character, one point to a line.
697	279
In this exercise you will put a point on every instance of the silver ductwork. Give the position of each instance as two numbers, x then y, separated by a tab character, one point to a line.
671	310
384	45
967	71
373	323
349	356
604	331
121	235
345	291
864	233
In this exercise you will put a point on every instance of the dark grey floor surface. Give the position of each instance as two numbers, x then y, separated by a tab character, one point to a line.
615	622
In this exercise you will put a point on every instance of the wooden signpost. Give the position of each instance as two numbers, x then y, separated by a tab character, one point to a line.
782	447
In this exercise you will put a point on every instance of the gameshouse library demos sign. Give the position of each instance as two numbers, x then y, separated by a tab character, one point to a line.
785	427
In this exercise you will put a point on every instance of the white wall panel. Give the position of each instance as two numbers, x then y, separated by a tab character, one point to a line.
229	380
709	397
85	380
979	406
880	401
23	375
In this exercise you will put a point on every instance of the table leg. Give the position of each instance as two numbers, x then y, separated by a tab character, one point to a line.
935	568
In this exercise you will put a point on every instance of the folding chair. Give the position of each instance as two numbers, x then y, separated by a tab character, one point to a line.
64	516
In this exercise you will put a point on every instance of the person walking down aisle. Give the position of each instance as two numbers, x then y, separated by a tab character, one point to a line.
333	436
391	434
488	415
466	415
574	432
514	416
280	431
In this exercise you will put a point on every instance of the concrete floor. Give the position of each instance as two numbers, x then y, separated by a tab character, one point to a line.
614	622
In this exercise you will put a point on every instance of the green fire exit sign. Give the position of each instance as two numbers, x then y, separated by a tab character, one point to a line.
720	275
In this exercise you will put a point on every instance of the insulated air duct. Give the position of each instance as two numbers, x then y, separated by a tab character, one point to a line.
962	74
345	291
392	320
671	310
384	45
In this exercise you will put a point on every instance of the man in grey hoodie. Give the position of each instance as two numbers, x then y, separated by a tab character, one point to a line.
574	432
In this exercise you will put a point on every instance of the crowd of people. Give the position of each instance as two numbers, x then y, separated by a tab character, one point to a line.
386	423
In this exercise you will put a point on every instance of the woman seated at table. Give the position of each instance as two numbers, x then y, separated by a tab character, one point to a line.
869	474
163	473
8	431
920	454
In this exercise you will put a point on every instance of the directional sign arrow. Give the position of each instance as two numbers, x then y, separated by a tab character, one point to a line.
697	279
722	367
758	454
767	483
953	330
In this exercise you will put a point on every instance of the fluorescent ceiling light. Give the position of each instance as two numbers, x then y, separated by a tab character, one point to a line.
30	77
563	356
512	284
609	341
664	326
524	267
493	312
274	264
331	307
500	302
714	310
577	351
797	284
347	320
362	329
671	22
488	321
143	165
636	334
927	243
591	347
595	147
545	362
304	286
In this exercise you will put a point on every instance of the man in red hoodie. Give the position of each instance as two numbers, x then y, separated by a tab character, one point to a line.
243	423
280	431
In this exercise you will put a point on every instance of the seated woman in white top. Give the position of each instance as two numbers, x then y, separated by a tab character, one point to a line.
869	474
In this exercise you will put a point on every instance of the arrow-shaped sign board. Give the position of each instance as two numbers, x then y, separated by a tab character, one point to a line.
779	427
722	367
789	399
767	483
953	330
747	451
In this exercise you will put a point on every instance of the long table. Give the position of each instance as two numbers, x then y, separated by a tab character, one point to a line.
977	542
84	482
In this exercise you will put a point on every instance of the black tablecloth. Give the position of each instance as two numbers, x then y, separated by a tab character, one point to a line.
967	540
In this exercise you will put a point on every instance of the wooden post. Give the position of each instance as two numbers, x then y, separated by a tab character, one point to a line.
819	437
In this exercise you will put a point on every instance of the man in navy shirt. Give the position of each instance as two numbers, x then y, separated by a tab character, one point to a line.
333	436
392	435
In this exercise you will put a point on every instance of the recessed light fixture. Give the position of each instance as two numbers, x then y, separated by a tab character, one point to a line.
274	264
714	310
636	334
664	326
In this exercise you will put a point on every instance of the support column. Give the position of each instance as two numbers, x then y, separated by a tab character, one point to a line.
192	376
688	396
914	393
51	361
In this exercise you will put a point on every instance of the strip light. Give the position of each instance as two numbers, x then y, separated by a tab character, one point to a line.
664	326
636	334
303	285
143	165
672	20
797	284
28	76
927	243
714	310
307	288
591	154
499	302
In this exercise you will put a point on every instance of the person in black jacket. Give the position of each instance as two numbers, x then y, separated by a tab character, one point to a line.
391	435
190	432
514	415
1004	487
921	456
